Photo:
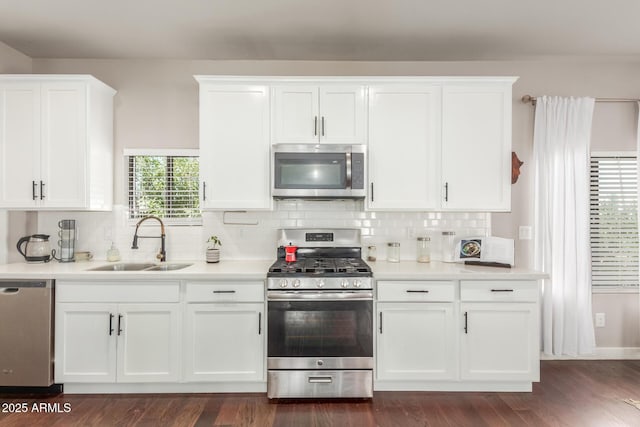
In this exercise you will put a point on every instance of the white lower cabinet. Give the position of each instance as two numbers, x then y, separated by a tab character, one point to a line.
457	335
500	333
416	341
225	332
85	342
106	342
416	333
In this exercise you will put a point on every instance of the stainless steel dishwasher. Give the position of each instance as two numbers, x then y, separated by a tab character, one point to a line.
26	333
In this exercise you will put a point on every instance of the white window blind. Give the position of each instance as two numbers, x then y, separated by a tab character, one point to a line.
614	221
166	186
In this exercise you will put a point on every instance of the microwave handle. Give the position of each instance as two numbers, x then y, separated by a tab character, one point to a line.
348	166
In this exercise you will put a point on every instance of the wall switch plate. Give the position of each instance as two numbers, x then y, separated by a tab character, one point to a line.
600	320
525	232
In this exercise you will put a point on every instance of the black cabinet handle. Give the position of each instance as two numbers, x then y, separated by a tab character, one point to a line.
315	126
224	292
41	190
119	324
380	325
372	192
409	291
322	125
446	191
204	191
466	326
33	190
260	323
501	290
111	316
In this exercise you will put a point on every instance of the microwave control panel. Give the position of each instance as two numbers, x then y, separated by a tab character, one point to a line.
357	171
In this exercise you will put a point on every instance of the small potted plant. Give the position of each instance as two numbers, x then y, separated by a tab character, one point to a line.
213	253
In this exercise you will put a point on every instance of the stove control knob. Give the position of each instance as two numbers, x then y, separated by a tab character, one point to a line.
344	283
283	283
357	283
296	283
320	283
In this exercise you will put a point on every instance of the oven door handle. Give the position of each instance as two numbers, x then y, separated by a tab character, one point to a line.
318	296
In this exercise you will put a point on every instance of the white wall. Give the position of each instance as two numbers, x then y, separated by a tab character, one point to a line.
157	106
13	61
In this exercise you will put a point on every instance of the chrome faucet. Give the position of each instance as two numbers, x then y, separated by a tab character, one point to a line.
162	256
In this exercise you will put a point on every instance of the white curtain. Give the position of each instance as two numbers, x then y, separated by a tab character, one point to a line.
561	141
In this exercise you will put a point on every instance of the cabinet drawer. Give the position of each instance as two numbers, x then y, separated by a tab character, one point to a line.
416	291
499	290
225	292
120	291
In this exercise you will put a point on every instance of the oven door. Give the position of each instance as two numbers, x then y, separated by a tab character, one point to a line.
314	331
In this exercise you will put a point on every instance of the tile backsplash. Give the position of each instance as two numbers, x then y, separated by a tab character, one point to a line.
252	235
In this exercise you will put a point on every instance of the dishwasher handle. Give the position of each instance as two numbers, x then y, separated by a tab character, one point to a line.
9	291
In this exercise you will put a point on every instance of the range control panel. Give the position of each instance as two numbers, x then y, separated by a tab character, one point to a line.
318	237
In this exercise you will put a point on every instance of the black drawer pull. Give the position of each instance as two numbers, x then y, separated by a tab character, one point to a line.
501	290
410	291
224	292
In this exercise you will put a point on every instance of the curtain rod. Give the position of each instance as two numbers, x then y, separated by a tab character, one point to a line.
532	99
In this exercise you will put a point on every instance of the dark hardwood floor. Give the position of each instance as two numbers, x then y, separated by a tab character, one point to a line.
571	393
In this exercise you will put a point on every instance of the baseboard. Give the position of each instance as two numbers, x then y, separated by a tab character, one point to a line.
601	353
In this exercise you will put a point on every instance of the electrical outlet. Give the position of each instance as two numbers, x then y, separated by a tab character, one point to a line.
600	320
525	232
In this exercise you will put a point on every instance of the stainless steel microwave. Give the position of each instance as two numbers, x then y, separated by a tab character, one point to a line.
323	171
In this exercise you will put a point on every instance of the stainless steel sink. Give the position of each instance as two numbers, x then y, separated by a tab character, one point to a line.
123	266
167	267
127	266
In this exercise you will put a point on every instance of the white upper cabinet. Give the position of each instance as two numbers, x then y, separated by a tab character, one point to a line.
404	146
56	142
311	114
234	145
476	146
441	144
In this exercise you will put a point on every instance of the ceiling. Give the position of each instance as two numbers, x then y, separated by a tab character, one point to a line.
374	30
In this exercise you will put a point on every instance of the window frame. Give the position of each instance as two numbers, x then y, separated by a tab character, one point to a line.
151	152
602	289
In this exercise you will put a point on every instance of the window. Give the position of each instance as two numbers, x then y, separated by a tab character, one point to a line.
614	222
164	184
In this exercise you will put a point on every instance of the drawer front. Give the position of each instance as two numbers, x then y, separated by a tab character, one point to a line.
117	291
499	290
225	292
416	291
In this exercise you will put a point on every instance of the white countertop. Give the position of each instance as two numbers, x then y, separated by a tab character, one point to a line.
436	270
200	270
257	270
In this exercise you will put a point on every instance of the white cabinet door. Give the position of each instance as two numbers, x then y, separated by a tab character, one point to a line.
295	114
19	144
56	142
328	114
342	115
85	344
225	342
404	147
499	342
64	145
476	147
416	341
234	146
148	344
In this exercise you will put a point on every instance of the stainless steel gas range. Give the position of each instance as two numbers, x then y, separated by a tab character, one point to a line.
320	317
